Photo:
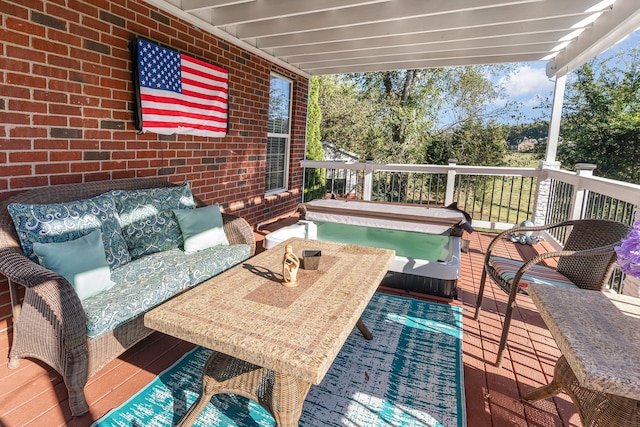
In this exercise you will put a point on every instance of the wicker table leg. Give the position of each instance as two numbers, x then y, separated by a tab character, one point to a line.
282	395
543	392
596	409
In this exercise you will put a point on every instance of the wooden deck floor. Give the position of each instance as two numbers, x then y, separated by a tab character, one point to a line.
34	395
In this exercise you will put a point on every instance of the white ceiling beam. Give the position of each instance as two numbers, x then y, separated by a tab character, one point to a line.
622	20
194	5
513	43
519	14
477	37
384	12
198	23
537	50
410	65
240	14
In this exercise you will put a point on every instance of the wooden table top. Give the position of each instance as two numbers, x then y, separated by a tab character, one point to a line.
247	313
598	333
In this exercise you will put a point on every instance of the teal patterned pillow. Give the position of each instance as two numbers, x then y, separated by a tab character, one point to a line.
61	222
146	217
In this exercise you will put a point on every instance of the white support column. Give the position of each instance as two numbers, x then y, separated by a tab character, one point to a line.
451	182
543	192
543	187
556	117
368	180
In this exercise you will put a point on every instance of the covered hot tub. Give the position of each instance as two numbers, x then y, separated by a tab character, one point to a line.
426	240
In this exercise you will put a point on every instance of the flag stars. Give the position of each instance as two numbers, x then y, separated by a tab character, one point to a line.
159	68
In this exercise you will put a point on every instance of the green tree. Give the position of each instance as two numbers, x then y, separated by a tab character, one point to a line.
404	103
469	92
601	118
315	185
473	143
395	116
347	119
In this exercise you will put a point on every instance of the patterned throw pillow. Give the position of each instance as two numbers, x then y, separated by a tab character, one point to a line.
61	222
146	217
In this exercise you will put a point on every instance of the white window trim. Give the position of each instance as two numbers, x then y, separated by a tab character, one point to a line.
286	136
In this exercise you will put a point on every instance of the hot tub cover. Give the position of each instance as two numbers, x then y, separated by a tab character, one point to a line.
448	220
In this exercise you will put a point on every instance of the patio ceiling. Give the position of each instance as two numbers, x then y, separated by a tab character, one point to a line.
344	36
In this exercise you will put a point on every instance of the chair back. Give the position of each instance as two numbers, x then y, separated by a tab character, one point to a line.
591	272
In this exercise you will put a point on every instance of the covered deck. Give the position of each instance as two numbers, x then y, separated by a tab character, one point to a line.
57	136
34	395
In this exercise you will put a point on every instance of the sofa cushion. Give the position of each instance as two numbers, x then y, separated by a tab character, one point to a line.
81	261
209	262
147	220
61	222
201	228
147	282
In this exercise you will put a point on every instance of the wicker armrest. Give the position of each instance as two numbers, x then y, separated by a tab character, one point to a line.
47	291
239	231
523	228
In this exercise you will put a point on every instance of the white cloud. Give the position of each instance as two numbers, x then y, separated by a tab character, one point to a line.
525	80
499	102
533	102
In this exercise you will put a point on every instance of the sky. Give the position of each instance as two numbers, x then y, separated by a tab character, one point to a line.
528	83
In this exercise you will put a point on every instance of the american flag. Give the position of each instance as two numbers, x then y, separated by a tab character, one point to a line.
180	94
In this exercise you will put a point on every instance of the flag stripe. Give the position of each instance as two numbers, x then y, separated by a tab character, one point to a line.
204	96
204	90
182	102
200	73
156	114
180	94
164	125
213	69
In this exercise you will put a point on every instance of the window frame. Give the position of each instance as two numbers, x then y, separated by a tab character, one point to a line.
285	136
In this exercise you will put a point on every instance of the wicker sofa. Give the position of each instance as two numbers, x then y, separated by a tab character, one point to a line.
50	324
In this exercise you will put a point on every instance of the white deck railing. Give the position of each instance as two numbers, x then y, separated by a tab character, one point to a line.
495	197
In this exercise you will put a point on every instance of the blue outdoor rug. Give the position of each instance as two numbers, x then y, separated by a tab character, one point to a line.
410	374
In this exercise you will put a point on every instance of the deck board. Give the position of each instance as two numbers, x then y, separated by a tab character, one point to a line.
34	395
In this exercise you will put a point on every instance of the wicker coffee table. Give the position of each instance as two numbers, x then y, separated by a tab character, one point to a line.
270	342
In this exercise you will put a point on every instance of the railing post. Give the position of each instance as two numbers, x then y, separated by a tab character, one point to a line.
368	180
543	193
580	193
451	182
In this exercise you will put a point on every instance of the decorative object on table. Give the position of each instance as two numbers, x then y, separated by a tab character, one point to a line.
629	252
311	259
371	383
586	261
526	237
290	266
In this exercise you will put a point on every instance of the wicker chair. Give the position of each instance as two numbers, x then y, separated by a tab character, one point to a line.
586	261
49	323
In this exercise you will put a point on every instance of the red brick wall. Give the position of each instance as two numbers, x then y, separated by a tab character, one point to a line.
66	115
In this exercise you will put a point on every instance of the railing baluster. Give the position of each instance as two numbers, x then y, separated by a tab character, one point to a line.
510	201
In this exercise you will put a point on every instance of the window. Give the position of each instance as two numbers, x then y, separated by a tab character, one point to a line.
278	134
